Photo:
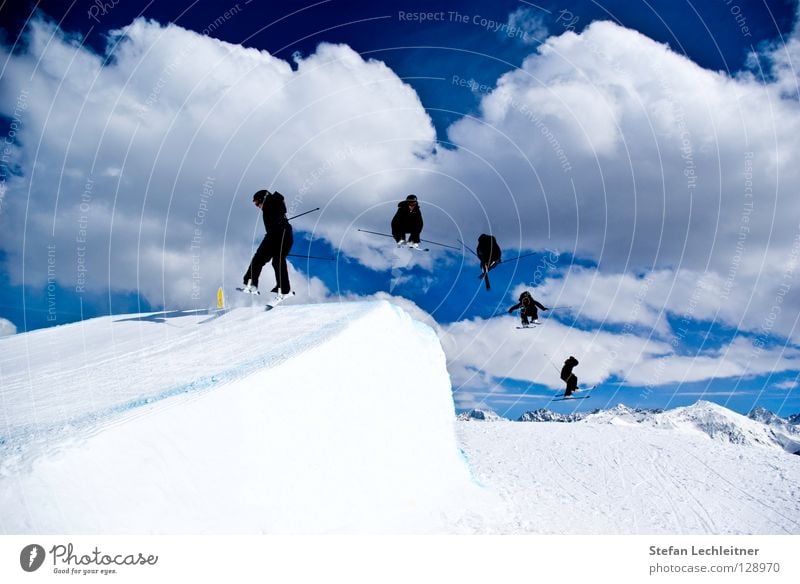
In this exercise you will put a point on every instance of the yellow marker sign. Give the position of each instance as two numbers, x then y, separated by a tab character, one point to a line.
220	299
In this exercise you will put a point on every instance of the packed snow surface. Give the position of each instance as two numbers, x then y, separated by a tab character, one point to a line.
624	479
293	420
338	418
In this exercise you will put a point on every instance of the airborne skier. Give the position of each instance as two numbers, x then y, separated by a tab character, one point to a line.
275	246
407	219
529	308
489	254
569	377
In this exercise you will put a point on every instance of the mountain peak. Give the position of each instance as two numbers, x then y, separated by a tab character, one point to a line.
480	415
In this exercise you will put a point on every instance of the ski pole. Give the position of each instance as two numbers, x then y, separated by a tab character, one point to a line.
310	257
376	233
551	363
301	214
469	248
442	244
425	240
519	257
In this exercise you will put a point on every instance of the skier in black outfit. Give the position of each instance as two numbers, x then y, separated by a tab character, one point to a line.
407	219
489	254
276	245
568	376
529	308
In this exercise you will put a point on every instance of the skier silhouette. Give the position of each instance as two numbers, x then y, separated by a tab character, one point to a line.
569	377
407	219
489	254
275	246
529	308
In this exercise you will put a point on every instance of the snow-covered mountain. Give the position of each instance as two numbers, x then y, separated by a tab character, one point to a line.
760	427
717	422
480	415
545	415
785	432
765	416
620	414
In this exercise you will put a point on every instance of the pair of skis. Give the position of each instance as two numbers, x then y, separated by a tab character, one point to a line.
406	245
272	303
574	397
416	248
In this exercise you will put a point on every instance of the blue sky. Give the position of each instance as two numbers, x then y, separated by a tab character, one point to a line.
494	130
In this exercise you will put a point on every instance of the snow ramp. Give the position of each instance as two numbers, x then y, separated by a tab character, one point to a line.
304	419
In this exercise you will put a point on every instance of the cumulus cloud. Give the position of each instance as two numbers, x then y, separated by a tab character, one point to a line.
676	182
611	147
7	328
485	354
139	165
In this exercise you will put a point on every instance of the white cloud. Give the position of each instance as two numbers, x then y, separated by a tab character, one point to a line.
527	25
7	328
153	157
740	358
788	384
605	145
480	350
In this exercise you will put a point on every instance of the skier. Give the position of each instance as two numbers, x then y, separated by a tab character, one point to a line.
489	254
569	377
529	308
275	246
407	219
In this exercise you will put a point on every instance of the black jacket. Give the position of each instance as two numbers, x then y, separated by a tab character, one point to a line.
274	212
406	219
526	300
566	371
488	250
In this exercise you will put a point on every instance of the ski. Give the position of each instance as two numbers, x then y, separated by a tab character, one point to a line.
570	398
528	327
248	291
277	300
584	391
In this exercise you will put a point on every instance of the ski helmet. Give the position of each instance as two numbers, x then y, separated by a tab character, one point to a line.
411	198
260	196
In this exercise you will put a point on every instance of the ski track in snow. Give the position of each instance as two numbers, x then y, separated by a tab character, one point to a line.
585	478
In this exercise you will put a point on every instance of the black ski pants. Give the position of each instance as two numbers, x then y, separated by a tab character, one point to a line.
275	246
399	232
572	384
529	312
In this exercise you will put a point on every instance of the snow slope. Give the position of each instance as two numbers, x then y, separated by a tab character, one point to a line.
308	419
293	420
607	478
